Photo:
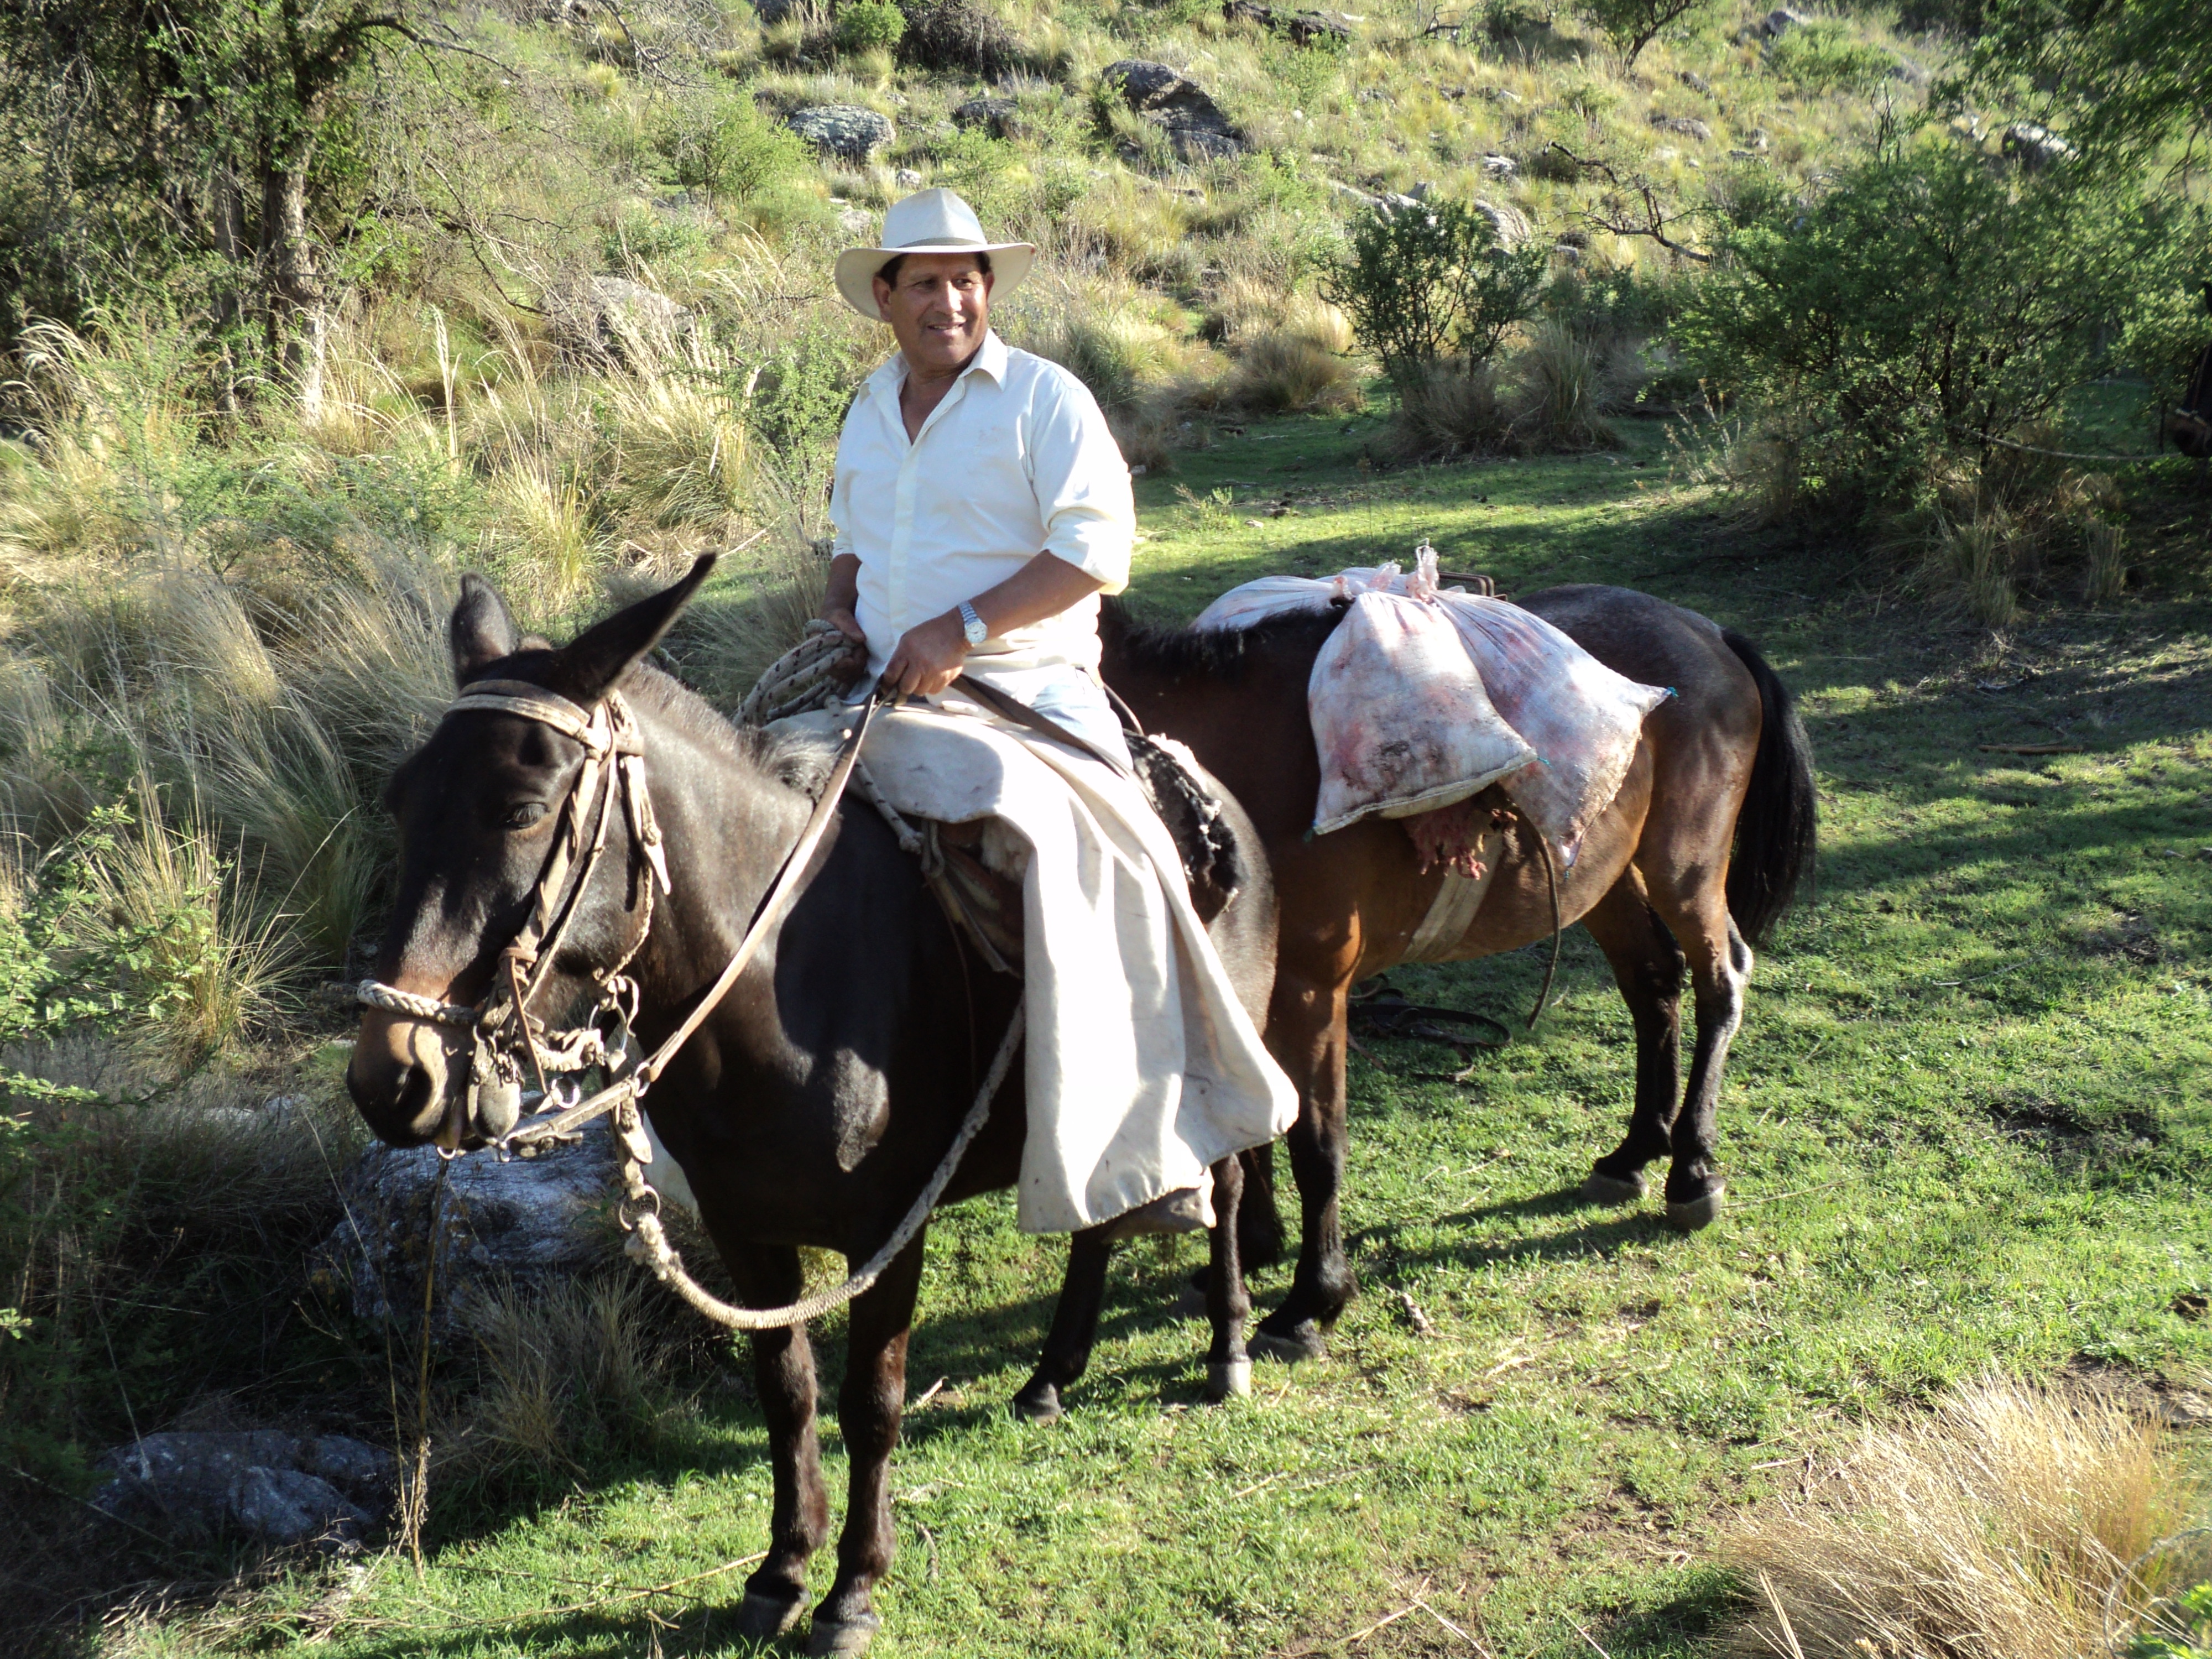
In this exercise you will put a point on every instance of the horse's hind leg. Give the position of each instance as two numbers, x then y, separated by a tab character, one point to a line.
869	1407
1307	1029
1228	1367
768	1276
1074	1328
1648	965
1720	965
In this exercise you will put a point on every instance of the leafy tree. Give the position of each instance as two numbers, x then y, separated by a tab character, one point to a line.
158	137
1419	284
2120	78
1920	314
1632	25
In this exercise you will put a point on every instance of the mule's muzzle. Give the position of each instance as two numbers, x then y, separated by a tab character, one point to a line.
410	1080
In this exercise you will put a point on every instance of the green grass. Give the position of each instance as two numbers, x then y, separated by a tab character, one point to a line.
1968	1123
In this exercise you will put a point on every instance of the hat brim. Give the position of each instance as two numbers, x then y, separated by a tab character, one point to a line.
857	267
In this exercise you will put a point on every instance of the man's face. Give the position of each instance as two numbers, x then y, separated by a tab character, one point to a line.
938	308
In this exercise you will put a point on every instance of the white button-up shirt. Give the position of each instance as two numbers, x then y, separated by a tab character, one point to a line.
1015	461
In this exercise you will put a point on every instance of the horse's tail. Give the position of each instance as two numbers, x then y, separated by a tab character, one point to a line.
1775	831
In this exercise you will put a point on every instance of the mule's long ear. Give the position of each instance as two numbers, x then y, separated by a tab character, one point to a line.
482	630
586	668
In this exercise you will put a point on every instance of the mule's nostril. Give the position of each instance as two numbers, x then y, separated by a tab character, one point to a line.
418	1097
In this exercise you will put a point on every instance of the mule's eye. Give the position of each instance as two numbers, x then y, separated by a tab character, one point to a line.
522	817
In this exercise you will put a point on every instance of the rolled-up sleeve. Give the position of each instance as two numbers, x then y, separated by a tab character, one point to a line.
1081	481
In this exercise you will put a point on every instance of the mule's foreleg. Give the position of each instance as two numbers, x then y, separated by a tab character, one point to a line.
1647	965
869	1409
769	1276
1720	972
1228	1367
1074	1328
1306	1028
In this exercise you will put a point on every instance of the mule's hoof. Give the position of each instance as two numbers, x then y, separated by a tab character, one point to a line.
1228	1379
1700	1212
764	1618
1037	1402
1305	1342
1599	1187
830	1636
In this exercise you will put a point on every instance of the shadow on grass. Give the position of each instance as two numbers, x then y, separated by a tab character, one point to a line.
1601	1237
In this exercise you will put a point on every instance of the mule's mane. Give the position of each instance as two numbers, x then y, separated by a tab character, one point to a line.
1222	655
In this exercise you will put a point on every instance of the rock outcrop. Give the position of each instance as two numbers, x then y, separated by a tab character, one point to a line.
844	133
279	1488
1191	120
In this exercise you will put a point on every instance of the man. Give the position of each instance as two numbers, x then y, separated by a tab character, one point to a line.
981	504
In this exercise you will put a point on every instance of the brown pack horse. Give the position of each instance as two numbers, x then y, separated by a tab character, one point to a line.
1694	860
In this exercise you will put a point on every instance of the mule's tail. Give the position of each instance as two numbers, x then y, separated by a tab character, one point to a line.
1775	832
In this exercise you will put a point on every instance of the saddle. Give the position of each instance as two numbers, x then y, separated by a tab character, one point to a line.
972	869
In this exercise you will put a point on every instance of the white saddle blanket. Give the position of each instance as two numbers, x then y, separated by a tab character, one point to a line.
1142	1066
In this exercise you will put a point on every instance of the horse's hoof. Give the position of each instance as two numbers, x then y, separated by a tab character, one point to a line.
764	1618
1037	1402
1228	1379
1699	1211
830	1636
1305	1342
1599	1187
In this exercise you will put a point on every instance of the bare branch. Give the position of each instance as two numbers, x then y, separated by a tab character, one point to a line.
1654	219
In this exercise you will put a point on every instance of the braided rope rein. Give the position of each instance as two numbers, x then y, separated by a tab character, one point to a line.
648	1240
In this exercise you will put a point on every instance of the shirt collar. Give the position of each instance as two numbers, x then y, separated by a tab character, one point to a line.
990	359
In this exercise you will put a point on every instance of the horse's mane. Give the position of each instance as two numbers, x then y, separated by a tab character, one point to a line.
1222	655
797	761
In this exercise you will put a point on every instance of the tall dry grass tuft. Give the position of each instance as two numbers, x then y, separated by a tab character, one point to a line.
564	1376
1999	1526
1567	381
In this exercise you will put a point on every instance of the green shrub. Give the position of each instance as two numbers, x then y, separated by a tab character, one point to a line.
1924	308
1632	25
1418	285
725	146
1821	58
864	26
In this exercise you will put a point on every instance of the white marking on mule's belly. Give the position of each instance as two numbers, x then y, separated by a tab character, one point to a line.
665	1175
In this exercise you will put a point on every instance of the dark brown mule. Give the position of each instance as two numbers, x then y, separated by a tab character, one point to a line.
812	1105
1698	854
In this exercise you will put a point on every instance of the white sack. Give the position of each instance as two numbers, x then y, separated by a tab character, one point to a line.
1580	719
1401	723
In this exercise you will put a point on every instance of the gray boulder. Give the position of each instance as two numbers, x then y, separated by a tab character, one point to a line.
845	132
1695	81
279	1488
1193	121
1687	125
1779	21
1001	118
1504	96
1499	166
613	319
522	1222
2033	147
1508	222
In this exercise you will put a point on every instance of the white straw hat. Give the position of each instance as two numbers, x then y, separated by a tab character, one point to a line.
929	221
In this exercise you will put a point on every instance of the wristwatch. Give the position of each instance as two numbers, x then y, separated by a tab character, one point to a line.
972	625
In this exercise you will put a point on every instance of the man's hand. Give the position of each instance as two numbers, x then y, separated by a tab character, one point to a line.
929	656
